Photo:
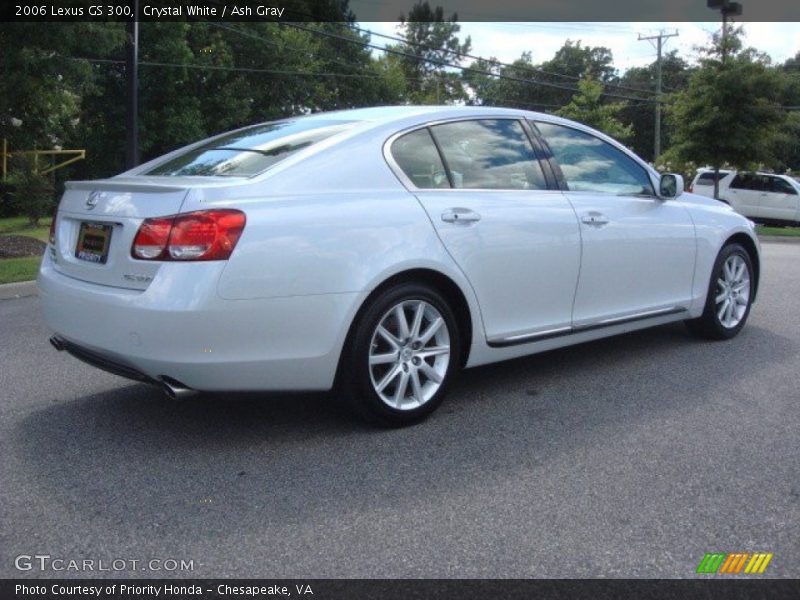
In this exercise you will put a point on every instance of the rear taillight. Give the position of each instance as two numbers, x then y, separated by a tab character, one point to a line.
691	188
201	235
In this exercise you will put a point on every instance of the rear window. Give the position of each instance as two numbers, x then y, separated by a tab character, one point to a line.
707	177
250	151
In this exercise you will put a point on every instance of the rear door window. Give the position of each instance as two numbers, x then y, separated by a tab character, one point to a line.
489	154
250	151
707	177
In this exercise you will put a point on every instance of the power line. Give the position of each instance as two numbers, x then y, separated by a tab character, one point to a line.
644	102
221	68
496	62
453	65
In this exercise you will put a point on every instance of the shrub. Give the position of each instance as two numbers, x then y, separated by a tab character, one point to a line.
29	193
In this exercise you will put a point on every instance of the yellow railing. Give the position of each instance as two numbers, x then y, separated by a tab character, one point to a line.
75	155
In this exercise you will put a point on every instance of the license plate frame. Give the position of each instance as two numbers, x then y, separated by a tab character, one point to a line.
94	240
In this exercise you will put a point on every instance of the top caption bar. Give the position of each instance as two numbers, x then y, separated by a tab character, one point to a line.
375	10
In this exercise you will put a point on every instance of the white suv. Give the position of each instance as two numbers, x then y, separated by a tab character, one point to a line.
760	196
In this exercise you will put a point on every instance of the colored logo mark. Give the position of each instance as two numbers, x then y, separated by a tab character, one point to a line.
733	563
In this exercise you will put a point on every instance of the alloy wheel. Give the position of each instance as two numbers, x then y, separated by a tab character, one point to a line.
409	354
733	291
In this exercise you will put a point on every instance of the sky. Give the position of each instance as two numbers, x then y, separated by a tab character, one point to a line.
507	41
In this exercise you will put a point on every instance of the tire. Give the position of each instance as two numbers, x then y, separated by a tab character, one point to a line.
731	286
388	373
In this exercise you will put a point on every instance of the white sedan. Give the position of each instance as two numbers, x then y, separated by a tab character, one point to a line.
380	250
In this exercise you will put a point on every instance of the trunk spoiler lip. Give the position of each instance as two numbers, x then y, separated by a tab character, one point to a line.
123	186
147	184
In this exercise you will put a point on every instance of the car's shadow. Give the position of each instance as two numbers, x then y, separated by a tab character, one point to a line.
131	457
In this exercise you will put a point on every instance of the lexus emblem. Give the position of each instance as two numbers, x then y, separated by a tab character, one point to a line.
92	200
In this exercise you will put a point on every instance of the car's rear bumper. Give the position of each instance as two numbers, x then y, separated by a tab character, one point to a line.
181	329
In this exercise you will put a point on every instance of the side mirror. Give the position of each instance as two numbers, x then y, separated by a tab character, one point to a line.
670	186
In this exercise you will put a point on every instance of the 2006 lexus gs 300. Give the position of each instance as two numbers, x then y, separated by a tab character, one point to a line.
380	250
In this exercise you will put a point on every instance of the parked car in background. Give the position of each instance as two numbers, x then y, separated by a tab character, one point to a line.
703	182
764	197
380	250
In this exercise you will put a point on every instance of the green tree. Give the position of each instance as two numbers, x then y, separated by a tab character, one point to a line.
430	39
729	112
587	107
43	79
641	115
546	86
788	151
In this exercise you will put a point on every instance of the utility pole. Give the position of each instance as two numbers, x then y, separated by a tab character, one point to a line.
132	85
659	39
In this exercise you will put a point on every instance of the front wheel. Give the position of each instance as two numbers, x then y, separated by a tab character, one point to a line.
401	356
730	295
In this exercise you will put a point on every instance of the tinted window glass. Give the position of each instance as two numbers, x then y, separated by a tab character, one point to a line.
742	181
780	186
592	165
491	154
707	177
250	151
762	183
416	154
751	181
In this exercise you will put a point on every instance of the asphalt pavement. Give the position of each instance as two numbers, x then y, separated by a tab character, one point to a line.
626	457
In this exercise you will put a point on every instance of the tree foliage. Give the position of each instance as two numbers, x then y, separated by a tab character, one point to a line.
729	112
675	72
430	40
28	192
203	78
587	107
545	86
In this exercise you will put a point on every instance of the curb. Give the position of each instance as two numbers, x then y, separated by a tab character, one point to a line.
21	289
779	239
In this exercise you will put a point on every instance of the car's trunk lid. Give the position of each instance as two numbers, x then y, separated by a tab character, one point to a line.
104	216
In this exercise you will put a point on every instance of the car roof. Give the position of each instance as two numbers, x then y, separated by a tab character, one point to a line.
395	113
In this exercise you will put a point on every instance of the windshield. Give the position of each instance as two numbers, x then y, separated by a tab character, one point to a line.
250	151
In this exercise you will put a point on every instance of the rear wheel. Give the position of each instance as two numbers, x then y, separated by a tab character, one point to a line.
729	295
401	356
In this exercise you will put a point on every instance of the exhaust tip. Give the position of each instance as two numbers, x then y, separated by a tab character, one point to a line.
56	343
175	390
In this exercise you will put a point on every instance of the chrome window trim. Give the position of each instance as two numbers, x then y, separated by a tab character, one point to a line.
409	185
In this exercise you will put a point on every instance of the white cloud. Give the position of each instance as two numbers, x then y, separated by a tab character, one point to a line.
507	41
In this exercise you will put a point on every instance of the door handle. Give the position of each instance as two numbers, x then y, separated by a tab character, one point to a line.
595	218
460	215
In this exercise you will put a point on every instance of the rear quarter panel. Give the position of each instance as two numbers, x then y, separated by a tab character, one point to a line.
337	222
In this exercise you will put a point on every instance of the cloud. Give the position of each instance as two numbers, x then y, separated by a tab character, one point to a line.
507	41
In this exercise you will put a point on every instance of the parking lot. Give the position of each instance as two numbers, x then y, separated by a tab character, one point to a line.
626	457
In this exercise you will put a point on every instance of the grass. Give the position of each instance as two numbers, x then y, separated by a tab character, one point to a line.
22	269
782	231
20	226
19	269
